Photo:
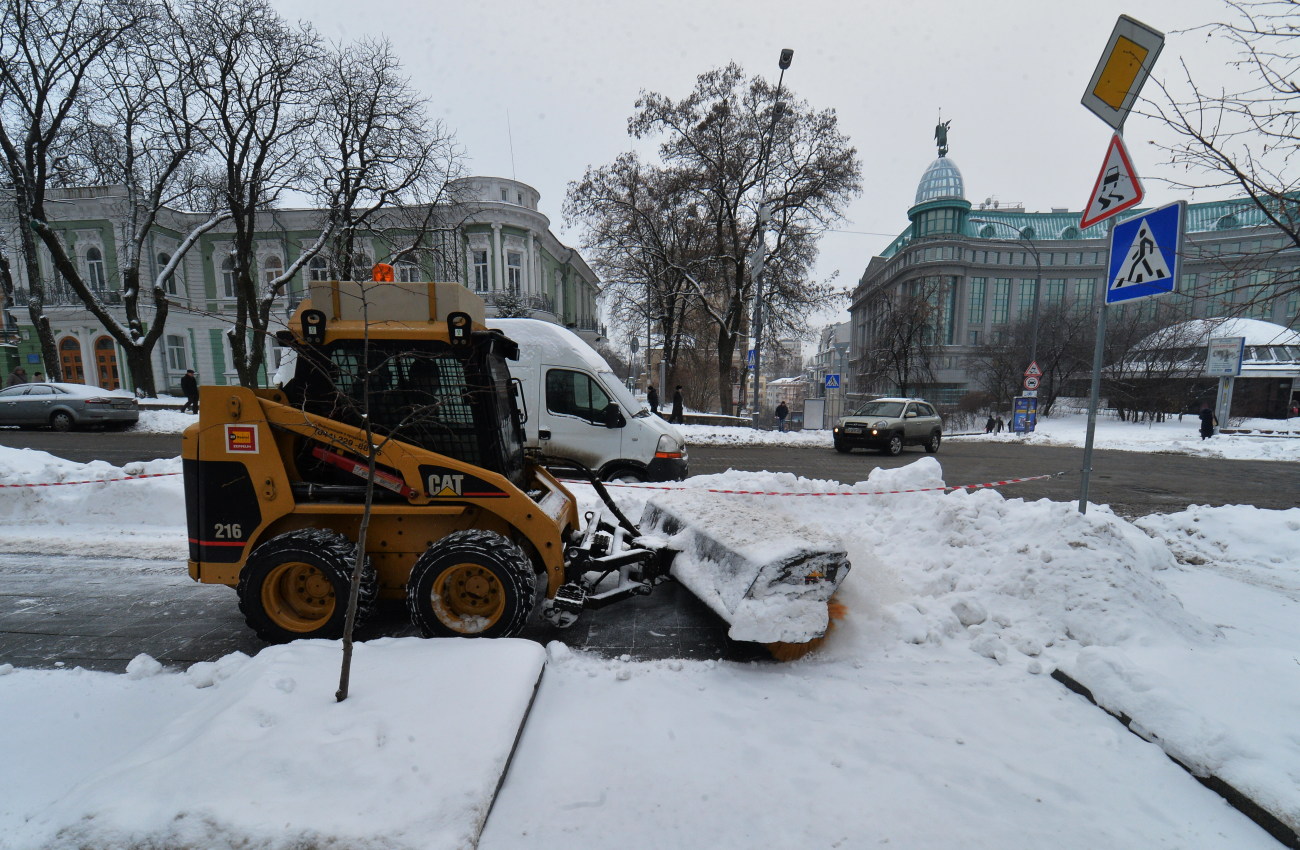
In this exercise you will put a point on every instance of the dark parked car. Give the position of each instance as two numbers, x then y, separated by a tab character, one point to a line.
67	406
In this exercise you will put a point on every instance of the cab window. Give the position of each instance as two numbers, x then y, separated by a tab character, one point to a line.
572	393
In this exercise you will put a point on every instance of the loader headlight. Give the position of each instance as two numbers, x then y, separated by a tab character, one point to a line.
668	448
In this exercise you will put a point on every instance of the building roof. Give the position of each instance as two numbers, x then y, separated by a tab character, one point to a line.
942	180
1198	332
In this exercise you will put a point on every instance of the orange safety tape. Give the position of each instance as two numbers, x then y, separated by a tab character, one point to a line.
96	481
832	493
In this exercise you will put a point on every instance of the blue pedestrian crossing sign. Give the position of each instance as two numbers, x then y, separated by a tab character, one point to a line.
1146	254
749	359
832	381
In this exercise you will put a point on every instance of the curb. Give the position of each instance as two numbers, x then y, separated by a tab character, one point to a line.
1265	819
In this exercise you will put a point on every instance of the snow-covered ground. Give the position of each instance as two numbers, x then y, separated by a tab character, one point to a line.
928	719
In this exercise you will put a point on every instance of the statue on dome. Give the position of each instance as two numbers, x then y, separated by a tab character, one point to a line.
941	136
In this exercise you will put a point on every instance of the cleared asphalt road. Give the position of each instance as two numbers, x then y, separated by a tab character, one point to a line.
1133	483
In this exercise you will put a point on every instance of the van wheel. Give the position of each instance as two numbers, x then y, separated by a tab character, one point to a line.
624	475
471	584
895	445
932	444
297	585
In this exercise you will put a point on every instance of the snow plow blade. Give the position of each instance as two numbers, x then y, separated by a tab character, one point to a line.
769	576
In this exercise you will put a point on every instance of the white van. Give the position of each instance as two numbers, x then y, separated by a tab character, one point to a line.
577	408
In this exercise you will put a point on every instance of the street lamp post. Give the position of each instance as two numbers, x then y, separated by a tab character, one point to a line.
1038	281
758	260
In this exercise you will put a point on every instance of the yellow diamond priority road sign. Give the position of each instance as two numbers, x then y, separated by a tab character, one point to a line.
1124	67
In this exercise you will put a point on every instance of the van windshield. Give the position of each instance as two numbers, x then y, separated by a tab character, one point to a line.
621	394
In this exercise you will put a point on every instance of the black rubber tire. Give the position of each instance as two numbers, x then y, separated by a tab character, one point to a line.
932	444
471	583
296	586
626	474
894	446
61	421
841	448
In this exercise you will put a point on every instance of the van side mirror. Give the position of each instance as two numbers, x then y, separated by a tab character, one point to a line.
614	417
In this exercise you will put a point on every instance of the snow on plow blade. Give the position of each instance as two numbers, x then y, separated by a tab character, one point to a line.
769	576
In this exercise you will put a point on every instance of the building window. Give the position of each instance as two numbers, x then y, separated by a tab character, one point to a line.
228	278
975	301
514	270
1055	292
272	267
480	270
171	286
317	269
96	279
1025	303
505	195
176	360
1084	293
1001	300
973	337
407	272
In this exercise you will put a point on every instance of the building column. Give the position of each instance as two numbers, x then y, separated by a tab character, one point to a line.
499	260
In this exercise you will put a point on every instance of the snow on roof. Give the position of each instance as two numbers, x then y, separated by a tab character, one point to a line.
549	342
1200	331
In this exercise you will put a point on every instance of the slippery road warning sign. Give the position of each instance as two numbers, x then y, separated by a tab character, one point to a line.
1117	187
1146	254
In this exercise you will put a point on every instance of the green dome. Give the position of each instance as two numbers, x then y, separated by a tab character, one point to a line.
942	180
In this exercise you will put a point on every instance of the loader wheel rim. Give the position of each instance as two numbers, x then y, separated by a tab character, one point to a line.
468	598
298	597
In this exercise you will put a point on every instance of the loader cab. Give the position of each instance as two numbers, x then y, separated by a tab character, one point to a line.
454	401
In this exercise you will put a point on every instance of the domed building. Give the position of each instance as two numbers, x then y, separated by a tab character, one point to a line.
963	282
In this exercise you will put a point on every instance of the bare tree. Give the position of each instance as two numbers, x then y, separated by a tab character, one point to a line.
48	51
899	356
648	241
141	130
261	78
736	147
1245	135
377	148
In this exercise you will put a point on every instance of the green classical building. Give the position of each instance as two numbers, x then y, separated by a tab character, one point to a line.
500	245
977	268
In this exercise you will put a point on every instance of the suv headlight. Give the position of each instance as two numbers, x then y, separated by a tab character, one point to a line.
880	423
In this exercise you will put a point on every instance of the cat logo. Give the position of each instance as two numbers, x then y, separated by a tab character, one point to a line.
446	485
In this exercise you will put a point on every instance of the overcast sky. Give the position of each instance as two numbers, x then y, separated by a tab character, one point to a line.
539	91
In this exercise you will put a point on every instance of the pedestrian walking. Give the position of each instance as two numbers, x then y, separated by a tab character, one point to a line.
652	399
988	426
781	413
676	416
17	376
998	425
190	386
1295	409
1208	421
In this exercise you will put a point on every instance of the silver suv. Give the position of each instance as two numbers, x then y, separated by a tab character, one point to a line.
889	424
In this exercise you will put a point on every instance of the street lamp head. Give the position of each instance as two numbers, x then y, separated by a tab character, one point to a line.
786	56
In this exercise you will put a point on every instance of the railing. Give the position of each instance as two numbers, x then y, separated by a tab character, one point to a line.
526	301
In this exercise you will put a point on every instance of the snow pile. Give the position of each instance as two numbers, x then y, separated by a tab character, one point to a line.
36	516
256	752
920	723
